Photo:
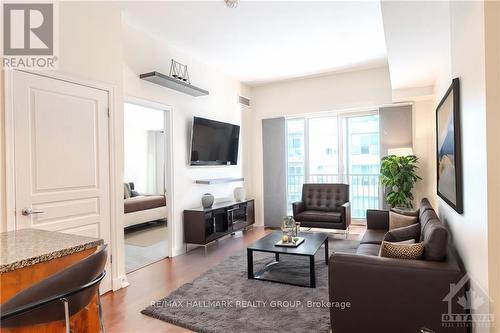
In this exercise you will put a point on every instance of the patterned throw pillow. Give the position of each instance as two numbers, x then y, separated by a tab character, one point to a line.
401	251
400	221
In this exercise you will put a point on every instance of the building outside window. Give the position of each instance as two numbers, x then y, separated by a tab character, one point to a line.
335	149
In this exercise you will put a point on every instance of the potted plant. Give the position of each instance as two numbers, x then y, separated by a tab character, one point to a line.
399	174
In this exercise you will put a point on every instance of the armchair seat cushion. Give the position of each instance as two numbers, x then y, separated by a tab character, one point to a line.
368	249
373	236
318	216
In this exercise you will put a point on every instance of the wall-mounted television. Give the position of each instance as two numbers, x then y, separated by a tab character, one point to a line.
214	142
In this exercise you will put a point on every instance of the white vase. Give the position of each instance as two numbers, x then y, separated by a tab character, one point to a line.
239	194
207	200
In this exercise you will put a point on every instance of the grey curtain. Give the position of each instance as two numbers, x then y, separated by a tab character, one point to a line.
274	167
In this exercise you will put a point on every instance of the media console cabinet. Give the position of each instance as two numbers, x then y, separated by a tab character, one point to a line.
205	225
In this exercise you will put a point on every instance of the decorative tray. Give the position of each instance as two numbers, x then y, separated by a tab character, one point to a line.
299	241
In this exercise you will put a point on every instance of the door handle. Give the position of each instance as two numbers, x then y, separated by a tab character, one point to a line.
30	211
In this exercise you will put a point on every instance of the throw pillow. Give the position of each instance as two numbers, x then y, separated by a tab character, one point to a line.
126	191
408	241
404	233
402	251
406	212
399	221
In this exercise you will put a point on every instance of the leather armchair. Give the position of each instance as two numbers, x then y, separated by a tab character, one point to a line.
324	206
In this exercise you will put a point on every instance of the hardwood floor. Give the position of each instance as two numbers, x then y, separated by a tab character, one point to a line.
122	309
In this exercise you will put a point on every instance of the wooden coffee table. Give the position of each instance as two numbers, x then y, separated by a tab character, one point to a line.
312	243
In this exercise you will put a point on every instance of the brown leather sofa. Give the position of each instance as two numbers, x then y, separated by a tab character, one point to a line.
396	295
324	206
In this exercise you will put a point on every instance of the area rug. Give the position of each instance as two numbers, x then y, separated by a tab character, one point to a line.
224	300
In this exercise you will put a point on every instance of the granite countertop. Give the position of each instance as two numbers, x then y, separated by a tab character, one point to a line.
26	247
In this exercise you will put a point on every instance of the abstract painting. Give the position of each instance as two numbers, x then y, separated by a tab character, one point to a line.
449	163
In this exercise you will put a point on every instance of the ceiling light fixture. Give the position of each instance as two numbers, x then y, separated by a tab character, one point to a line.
232	3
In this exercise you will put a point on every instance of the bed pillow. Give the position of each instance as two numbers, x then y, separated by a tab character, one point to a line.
126	191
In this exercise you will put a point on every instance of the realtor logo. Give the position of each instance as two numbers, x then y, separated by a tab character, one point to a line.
29	35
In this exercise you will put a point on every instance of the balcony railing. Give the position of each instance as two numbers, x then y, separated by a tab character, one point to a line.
364	190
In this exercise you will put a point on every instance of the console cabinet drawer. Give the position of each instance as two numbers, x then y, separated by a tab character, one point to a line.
202	226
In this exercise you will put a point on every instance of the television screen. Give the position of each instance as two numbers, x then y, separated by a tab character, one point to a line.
214	142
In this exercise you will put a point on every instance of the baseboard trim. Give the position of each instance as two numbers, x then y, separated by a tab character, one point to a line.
120	282
179	250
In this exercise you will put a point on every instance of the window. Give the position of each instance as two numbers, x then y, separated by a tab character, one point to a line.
335	149
295	159
323	145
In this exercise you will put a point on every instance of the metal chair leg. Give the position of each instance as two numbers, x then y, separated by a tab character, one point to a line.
101	321
66	314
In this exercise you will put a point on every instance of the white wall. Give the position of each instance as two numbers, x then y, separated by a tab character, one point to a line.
424	141
139	165
492	34
3	213
143	53
467	54
350	90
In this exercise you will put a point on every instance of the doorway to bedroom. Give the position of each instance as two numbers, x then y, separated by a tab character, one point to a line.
146	183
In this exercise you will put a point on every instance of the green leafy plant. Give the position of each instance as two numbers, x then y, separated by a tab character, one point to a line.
399	174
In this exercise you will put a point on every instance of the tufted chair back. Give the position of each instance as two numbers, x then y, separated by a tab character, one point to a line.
325	197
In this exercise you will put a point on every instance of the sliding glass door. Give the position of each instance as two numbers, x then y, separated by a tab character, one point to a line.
339	148
363	162
295	159
323	157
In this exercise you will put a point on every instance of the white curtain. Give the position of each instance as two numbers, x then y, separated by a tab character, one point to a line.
155	178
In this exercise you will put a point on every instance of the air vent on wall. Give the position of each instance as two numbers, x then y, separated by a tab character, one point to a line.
243	100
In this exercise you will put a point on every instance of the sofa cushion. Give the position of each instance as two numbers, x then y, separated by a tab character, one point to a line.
318	216
368	249
424	206
425	217
406	212
325	197
373	236
402	251
404	233
435	238
399	221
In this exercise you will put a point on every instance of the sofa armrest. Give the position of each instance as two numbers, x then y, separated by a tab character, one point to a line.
391	295
377	219
298	207
345	211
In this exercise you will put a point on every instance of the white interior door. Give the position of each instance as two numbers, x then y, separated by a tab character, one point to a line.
61	157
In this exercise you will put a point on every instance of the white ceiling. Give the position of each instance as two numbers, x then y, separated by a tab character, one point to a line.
418	41
261	42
